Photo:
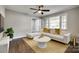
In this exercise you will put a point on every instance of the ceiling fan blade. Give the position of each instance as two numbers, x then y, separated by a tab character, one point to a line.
35	12
33	8
45	10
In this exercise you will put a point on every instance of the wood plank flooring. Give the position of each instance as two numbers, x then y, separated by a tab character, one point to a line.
18	46
72	49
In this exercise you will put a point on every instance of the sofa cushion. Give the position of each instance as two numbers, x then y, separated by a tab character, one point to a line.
52	31
57	31
58	37
47	30
54	36
63	32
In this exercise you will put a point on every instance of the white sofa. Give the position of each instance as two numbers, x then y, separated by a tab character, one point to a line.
4	44
65	38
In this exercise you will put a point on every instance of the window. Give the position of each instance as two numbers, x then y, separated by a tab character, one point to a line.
64	22
54	22
36	25
57	22
47	23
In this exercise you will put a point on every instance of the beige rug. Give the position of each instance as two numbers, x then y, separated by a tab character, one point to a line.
52	46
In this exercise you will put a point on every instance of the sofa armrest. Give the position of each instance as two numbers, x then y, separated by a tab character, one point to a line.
31	35
67	37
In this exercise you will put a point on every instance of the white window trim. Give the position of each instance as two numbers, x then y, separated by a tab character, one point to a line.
60	17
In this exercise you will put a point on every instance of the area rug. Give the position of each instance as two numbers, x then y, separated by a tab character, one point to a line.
52	46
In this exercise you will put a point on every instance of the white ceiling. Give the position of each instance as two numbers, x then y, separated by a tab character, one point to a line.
26	9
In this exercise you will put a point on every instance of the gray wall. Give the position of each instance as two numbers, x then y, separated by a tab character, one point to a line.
22	24
73	21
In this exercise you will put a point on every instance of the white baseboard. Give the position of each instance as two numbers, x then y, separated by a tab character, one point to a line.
18	37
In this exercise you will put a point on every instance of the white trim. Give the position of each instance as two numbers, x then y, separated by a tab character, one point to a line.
18	37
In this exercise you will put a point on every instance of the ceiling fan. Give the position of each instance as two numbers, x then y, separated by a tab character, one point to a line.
40	9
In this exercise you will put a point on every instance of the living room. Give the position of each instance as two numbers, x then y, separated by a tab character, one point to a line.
59	24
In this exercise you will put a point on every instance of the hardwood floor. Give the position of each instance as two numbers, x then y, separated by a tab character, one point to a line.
72	49
18	46
21	46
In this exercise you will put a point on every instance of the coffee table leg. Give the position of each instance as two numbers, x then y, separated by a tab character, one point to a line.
42	44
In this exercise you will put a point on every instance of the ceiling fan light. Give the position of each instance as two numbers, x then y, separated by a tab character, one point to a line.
39	11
